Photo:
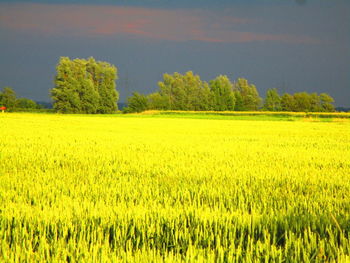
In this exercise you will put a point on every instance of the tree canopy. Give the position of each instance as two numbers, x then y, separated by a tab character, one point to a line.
182	92
188	92
247	96
272	100
85	86
222	93
8	98
88	86
136	103
306	102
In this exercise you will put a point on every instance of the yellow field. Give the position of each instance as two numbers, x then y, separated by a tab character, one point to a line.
253	113
144	189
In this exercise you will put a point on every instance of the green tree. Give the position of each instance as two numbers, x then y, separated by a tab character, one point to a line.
315	103
156	101
107	88
196	92
24	103
239	101
205	98
65	94
250	99
326	102
88	93
302	101
136	103
173	88
183	92
8	98
223	98
287	102
272	100
85	86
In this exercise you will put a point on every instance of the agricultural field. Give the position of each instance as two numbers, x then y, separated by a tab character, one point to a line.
163	188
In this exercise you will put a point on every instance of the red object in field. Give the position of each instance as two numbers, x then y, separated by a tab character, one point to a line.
3	108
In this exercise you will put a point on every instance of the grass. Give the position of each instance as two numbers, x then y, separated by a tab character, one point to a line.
252	116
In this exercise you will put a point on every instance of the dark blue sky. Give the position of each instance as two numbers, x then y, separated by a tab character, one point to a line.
286	44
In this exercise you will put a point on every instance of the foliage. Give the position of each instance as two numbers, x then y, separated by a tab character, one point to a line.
272	100
85	86
183	92
156	101
222	93
189	93
119	189
302	101
326	102
136	103
287	102
8	98
24	103
306	102
247	96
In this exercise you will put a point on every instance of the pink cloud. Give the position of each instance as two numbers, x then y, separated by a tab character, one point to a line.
156	24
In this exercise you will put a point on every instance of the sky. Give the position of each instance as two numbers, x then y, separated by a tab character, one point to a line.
291	45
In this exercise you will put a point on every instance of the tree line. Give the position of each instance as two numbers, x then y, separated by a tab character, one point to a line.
8	98
89	86
188	92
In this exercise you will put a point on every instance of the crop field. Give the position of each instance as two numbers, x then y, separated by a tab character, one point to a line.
79	188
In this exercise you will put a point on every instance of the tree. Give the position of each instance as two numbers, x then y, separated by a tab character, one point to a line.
287	102
183	92
302	101
223	98
156	101
24	103
8	98
65	95
106	87
238	101
137	103
315	103
205	98
88	92
250	99
85	86
326	102
171	89
272	100
197	96
189	92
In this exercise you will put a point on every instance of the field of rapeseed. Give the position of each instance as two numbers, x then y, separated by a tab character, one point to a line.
119	189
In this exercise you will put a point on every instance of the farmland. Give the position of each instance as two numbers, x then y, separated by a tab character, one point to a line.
161	188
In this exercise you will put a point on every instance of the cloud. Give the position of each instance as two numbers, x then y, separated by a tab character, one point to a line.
156	24
300	2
